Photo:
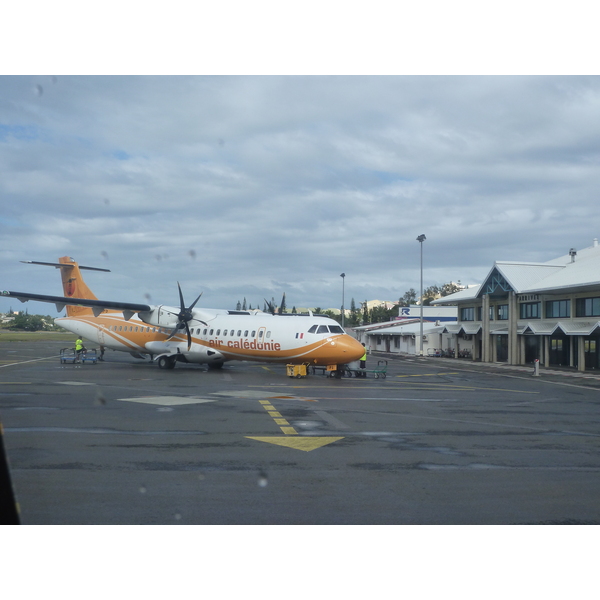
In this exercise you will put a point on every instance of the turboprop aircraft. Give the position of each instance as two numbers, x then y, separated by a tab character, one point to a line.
195	335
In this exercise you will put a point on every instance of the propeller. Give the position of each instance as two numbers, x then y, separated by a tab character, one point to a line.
184	317
272	306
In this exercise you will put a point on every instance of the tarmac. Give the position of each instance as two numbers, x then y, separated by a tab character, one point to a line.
591	378
438	441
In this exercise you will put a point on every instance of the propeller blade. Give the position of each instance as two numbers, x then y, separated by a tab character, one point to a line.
181	302
194	302
282	305
189	336
172	334
271	307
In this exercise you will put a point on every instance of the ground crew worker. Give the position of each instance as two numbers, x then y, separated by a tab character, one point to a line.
363	362
79	348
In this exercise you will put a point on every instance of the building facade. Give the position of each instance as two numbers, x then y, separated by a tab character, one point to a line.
403	334
527	311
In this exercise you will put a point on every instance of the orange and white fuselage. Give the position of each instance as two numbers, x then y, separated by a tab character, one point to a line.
216	335
224	336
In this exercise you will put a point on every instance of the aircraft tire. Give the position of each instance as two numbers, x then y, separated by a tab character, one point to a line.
166	362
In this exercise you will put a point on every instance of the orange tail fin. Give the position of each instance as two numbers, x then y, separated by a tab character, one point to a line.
74	286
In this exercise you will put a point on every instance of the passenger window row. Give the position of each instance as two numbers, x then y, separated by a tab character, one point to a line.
226	332
233	333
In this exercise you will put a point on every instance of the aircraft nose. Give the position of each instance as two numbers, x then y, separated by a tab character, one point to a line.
352	349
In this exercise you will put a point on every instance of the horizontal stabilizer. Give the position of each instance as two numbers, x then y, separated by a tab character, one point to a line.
62	265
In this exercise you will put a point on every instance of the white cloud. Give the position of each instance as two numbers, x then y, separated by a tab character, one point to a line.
251	186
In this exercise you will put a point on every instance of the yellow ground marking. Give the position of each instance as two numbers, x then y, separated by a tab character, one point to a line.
298	443
428	374
276	416
289	430
294	440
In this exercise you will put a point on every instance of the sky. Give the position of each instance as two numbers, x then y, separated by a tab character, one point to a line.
252	185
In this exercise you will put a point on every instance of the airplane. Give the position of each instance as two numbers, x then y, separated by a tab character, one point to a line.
195	335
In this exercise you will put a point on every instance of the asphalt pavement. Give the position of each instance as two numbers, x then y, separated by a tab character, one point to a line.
437	441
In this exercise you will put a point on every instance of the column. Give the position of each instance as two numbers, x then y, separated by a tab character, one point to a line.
485	329
513	348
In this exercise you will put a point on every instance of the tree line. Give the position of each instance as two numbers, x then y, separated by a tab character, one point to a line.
26	322
363	316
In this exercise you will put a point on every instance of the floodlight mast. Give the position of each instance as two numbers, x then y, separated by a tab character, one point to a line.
421	239
343	276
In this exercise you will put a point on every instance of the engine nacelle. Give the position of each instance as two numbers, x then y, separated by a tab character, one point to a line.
161	316
197	354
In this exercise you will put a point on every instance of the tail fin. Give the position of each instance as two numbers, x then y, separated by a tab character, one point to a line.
73	284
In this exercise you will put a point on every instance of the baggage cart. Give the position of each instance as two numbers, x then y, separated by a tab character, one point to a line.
379	372
297	371
69	355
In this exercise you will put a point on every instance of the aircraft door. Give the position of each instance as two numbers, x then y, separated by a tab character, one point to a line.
260	336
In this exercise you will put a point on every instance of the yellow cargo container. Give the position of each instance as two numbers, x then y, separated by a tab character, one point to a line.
296	371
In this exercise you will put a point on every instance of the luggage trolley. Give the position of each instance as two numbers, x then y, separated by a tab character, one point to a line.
68	355
378	372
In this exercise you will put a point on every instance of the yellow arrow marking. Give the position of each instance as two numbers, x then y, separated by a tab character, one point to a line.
298	443
293	441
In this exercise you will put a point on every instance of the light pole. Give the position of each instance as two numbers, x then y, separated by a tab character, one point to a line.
343	276
421	239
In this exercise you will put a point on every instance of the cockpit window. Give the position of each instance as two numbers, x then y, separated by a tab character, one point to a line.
335	329
313	329
323	329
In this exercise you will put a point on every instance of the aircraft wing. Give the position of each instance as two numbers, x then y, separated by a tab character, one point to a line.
97	306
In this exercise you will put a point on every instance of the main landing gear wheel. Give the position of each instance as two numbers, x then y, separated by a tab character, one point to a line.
166	362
